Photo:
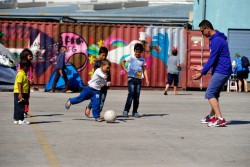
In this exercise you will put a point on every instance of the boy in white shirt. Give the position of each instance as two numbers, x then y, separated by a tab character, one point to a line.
92	91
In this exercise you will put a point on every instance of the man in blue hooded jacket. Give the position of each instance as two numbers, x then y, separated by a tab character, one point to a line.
220	65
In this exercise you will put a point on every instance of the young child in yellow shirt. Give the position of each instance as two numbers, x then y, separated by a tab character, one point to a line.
21	93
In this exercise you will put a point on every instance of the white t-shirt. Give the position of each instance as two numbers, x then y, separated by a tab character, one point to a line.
98	79
135	69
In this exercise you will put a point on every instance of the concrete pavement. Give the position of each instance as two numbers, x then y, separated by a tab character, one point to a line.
168	135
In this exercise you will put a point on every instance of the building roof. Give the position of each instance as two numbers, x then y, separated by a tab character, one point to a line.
153	14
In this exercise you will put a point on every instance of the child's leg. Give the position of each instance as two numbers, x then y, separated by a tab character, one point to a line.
26	103
90	105
18	108
169	82
103	95
95	99
65	80
55	81
137	95
131	91
84	95
176	81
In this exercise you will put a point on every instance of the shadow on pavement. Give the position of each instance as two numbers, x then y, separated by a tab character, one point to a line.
46	115
153	115
238	122
44	122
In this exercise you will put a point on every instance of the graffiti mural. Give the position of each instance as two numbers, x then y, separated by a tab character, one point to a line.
76	49
160	46
83	43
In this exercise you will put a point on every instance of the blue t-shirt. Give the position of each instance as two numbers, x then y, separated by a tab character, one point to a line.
135	68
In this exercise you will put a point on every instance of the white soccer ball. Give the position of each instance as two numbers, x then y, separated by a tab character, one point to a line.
110	116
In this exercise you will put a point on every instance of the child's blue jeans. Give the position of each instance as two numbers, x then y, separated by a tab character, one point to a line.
134	89
86	94
103	94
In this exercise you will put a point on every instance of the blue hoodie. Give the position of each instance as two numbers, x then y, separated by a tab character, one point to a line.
219	60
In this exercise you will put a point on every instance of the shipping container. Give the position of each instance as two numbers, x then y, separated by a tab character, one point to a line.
83	41
197	53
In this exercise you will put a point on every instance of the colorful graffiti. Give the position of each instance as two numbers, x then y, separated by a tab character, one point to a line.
38	42
76	49
83	43
160	46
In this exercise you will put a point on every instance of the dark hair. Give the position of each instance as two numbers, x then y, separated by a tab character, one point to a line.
206	24
24	54
105	62
138	47
103	50
63	47
25	63
174	52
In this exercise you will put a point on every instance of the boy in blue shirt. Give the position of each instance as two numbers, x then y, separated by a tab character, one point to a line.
136	72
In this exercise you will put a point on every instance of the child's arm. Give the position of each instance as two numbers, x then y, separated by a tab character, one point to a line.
106	83
20	95
145	74
123	66
30	75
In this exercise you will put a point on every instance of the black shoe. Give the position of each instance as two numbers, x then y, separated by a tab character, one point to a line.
165	93
136	115
125	114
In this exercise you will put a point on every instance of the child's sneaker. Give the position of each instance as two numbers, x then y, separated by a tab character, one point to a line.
24	122
125	114
207	119
136	115
15	122
217	123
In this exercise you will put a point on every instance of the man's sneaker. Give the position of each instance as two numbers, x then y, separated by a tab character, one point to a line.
24	122
207	119
136	114
125	114
217	123
15	122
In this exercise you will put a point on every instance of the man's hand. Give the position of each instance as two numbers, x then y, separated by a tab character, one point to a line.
196	67
197	76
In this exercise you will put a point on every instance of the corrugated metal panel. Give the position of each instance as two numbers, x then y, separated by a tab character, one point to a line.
163	39
196	56
238	41
83	42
